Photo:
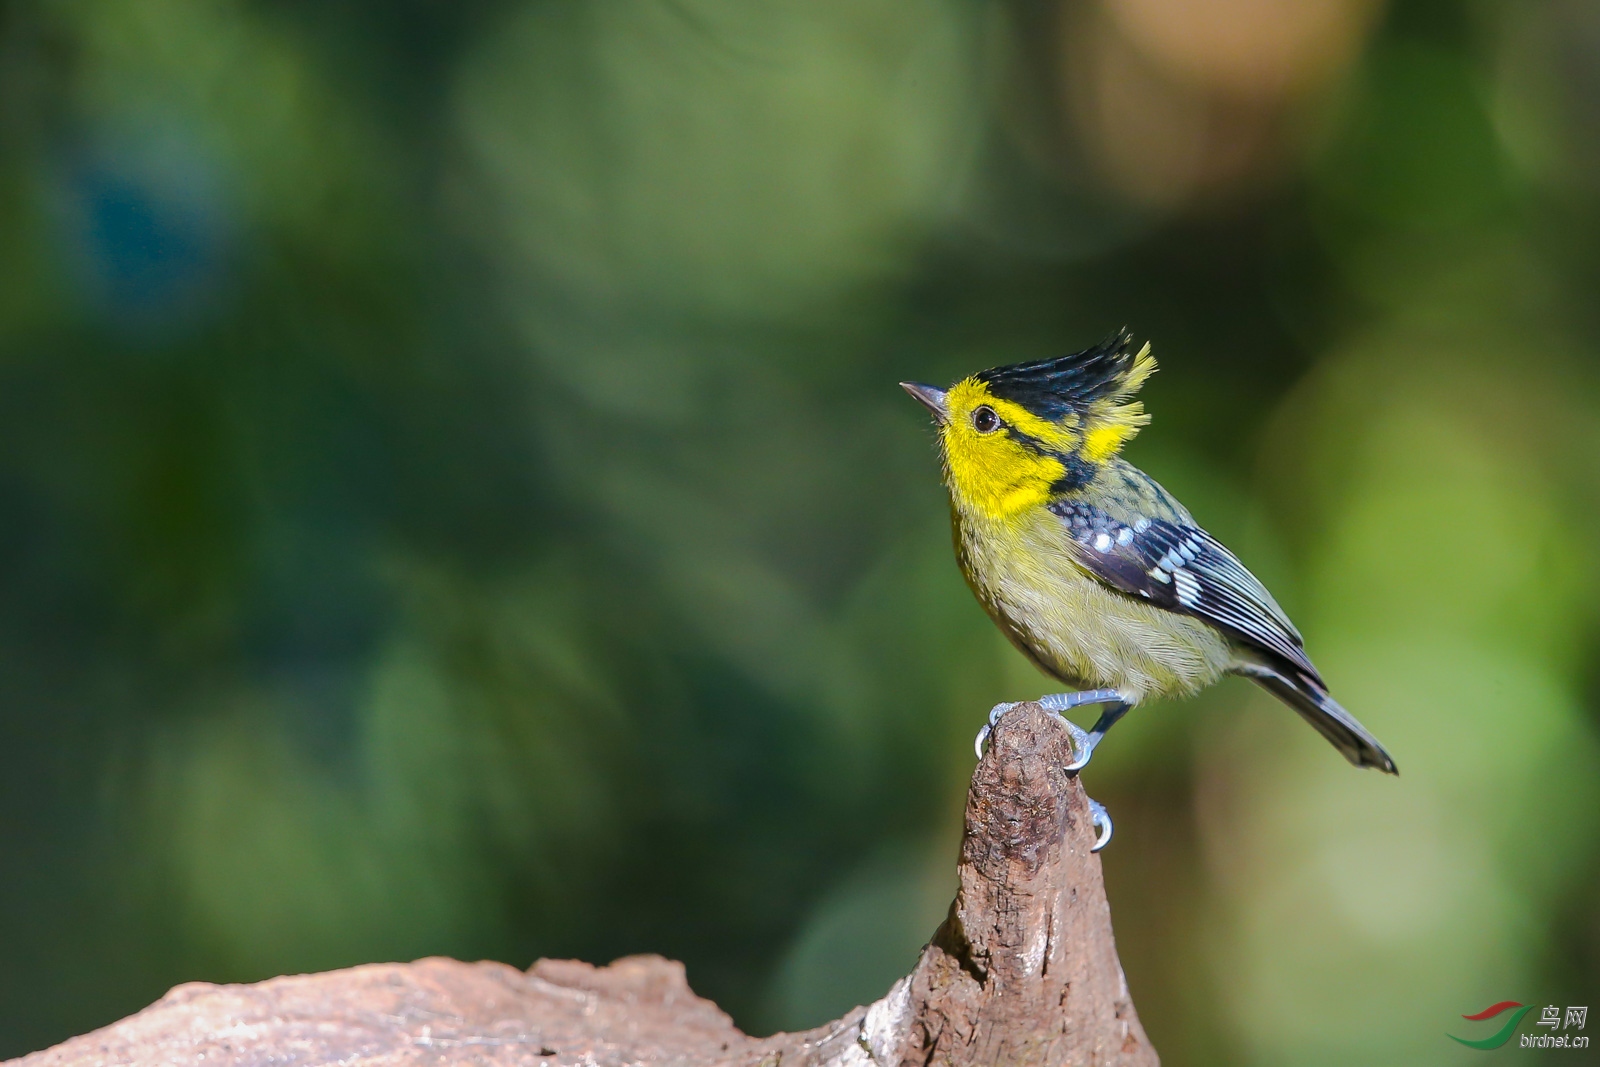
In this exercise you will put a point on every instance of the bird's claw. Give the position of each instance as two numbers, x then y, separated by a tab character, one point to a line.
1083	744
988	728
1102	823
999	710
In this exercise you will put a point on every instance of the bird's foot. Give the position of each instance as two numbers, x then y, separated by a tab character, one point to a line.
1083	742
1102	824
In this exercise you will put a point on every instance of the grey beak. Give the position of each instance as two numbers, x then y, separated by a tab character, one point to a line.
932	398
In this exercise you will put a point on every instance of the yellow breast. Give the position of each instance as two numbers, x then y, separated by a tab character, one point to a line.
1024	571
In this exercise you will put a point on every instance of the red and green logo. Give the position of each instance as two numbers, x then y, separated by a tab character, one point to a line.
1501	1036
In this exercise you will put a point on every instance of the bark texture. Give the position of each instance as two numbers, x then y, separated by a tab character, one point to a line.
1023	971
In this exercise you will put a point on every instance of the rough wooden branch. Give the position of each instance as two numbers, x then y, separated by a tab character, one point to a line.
1023	971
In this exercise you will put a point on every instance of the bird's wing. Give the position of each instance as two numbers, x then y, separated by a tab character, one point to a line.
1182	568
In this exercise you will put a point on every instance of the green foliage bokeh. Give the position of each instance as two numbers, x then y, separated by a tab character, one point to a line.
455	498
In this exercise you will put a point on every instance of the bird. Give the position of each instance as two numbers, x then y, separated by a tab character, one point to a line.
1096	573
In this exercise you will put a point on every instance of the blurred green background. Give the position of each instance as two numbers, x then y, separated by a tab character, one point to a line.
455	498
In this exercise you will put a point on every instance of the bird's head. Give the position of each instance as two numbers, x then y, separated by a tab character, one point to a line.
1013	437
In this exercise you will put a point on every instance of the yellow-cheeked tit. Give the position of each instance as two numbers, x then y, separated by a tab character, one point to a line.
1093	570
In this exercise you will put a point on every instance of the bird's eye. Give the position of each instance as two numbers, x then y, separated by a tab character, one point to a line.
984	420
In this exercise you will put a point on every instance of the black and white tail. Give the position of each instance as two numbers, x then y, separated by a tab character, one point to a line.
1310	698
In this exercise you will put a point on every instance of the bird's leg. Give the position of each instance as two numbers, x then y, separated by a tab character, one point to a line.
1108	718
1084	744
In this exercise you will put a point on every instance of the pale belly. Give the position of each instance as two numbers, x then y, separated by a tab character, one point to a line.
1084	633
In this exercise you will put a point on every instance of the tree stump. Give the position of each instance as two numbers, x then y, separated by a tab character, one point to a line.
1023	971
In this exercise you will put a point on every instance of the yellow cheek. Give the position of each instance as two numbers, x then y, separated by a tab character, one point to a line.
997	477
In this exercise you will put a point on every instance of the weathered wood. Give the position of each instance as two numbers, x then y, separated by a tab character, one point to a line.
1023	971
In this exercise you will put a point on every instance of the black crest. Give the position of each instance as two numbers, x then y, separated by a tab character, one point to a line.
1051	388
